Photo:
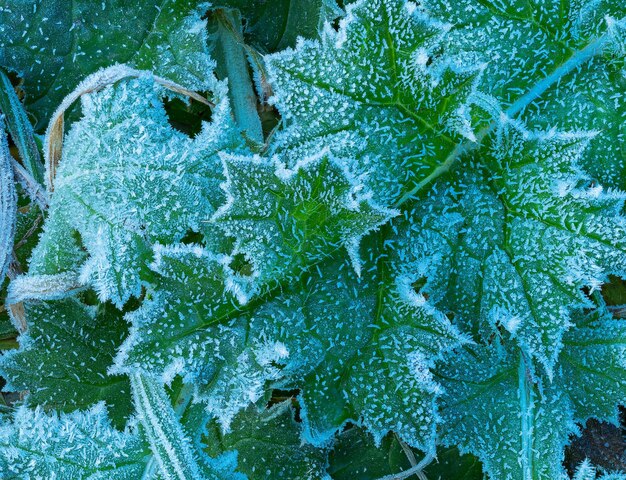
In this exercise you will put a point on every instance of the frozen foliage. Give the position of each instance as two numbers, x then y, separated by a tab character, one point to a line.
576	43
52	44
64	356
377	92
531	230
191	326
81	445
360	350
137	181
269	446
490	392
285	218
418	250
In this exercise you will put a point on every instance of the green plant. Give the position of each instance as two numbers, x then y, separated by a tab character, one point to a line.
404	262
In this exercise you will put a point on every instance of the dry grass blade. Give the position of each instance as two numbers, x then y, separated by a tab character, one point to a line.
417	470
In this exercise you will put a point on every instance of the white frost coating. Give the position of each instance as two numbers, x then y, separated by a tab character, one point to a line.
8	203
245	382
365	92
82	444
93	83
279	215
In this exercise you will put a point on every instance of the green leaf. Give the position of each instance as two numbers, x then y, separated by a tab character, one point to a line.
20	128
531	230
355	456
80	445
360	349
285	219
181	330
379	92
135	183
495	407
52	45
527	42
268	445
64	357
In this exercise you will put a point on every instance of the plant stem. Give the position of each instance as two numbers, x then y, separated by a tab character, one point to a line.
233	64
172	450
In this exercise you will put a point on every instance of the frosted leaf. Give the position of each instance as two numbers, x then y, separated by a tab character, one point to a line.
232	352
378	92
564	54
53	45
585	471
488	391
283	219
591	366
360	350
64	356
534	230
492	408
79	445
127	180
8	203
43	287
176	46
18	124
268	445
191	326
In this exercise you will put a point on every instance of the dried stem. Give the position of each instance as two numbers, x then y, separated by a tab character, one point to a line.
417	470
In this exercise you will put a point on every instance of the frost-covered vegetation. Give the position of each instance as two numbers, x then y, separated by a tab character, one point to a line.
296	239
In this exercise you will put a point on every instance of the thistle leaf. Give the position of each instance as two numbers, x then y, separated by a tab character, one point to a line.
80	445
489	390
121	196
532	230
269	446
376	92
53	45
64	356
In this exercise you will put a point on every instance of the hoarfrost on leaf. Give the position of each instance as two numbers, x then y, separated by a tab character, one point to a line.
126	181
532	230
81	444
379	92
